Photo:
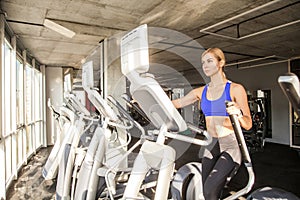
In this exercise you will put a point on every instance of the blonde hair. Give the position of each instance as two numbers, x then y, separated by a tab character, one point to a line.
217	53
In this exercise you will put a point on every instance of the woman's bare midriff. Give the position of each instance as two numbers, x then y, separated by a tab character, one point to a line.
218	126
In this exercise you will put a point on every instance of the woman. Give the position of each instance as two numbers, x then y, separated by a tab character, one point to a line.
222	156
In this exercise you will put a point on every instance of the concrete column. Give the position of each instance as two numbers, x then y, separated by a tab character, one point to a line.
54	92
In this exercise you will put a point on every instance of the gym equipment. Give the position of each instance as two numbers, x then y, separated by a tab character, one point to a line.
135	111
187	183
70	149
255	137
159	109
102	151
271	193
116	185
289	84
65	118
105	164
95	166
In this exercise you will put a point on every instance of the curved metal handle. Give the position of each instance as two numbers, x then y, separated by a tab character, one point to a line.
196	141
124	112
119	107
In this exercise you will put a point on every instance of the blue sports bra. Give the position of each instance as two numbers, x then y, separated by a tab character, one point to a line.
215	107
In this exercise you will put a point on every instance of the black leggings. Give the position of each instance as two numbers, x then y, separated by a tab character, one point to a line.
221	159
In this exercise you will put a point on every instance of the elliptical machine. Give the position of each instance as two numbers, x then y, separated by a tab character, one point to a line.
187	182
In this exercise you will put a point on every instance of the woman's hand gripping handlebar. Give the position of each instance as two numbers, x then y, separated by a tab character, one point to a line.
239	134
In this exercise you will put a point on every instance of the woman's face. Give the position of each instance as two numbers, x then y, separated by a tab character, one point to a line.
210	64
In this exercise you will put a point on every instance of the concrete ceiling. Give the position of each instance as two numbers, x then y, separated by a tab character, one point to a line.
244	29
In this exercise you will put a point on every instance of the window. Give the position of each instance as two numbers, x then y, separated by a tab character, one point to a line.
22	108
6	119
19	92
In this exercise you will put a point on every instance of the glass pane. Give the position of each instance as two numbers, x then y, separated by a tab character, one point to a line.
37	130
37	96
20	141
8	166
13	89
7	102
28	94
2	89
19	90
29	145
37	107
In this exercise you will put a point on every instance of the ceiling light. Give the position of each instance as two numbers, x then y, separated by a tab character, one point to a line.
58	28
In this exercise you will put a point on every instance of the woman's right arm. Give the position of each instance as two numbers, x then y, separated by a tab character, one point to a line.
188	99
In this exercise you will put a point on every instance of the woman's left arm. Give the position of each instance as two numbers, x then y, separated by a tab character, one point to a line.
240	106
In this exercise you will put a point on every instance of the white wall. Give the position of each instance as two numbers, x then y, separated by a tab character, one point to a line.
54	91
265	78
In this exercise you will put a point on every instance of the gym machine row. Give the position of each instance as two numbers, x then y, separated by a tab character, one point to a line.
99	169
